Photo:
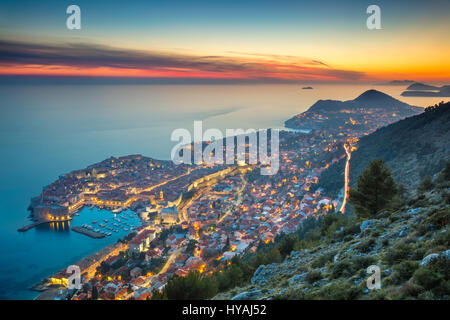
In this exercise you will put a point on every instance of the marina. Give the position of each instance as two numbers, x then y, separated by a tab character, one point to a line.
87	232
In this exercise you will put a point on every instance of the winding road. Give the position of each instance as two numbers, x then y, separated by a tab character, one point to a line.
347	171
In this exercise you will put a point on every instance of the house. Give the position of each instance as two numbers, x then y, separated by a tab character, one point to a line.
153	254
141	241
228	255
182	272
135	272
142	294
169	215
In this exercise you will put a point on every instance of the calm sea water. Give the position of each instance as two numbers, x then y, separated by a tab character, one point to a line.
49	130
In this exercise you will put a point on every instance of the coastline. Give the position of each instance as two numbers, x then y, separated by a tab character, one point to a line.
287	129
89	233
88	266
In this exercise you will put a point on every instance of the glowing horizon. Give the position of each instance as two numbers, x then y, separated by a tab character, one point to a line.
252	41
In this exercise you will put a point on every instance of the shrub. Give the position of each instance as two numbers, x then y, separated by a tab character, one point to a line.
399	252
427	278
353	228
440	218
341	269
313	276
191	287
442	239
323	260
287	244
337	291
441	265
425	185
362	263
366	246
418	254
404	270
427	295
422	229
348	238
409	289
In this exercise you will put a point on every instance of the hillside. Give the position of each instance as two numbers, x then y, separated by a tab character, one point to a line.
421	86
366	112
327	258
368	99
427	91
409	243
412	148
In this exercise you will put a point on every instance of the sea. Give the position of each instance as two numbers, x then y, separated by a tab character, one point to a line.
47	130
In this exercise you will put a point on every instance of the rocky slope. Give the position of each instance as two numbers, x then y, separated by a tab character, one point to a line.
412	148
410	245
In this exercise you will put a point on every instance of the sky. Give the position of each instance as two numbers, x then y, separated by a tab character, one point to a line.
218	40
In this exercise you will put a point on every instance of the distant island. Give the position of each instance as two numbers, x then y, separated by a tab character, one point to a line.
369	110
397	83
421	86
418	89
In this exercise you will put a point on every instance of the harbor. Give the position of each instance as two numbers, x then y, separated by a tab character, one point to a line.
87	232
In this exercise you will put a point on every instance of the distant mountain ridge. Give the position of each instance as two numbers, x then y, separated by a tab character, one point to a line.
409	241
368	99
397	83
424	90
421	86
370	109
412	148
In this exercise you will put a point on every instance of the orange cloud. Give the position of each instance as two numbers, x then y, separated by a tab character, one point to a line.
92	60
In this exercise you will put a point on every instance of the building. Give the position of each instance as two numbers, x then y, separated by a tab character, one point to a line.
169	215
54	212
141	242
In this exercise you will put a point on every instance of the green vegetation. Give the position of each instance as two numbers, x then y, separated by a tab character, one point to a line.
375	190
193	286
313	276
329	256
241	269
425	185
410	160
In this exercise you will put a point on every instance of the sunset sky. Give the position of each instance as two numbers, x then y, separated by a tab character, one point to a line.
261	41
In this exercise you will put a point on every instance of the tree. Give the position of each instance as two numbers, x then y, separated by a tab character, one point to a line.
158	295
231	277
191	287
402	191
375	190
191	246
94	293
444	175
287	244
425	185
